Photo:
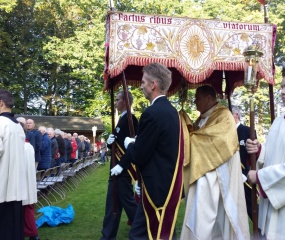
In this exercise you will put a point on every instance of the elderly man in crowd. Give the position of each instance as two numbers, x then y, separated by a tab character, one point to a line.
54	146
46	158
61	147
36	137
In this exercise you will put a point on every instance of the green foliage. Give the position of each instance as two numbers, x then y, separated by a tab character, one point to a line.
277	16
7	5
52	52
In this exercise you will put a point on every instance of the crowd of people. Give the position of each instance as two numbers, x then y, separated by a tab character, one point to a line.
166	159
24	150
53	147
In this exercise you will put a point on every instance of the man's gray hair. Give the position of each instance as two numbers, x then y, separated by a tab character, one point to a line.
161	74
235	109
57	131
42	128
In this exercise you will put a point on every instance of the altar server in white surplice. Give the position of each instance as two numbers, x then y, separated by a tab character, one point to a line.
270	176
213	184
13	185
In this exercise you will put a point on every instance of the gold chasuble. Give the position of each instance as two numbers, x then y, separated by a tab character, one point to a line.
187	127
220	142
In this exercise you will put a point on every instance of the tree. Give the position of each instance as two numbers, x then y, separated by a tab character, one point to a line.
52	51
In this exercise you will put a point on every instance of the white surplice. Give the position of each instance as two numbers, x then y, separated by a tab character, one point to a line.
216	207
271	174
13	185
30	174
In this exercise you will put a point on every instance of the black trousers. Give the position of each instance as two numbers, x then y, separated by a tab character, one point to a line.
11	221
124	200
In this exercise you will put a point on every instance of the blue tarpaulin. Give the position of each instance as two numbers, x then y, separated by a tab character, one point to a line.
54	216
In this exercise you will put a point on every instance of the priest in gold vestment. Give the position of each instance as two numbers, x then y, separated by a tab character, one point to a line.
213	185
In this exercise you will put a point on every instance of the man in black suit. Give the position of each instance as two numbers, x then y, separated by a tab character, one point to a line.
243	134
123	172
156	153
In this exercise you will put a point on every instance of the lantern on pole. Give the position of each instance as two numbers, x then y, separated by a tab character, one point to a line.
252	55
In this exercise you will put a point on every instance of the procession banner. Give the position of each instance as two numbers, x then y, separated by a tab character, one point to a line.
195	47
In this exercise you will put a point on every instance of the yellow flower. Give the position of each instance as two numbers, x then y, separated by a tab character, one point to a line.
126	27
150	46
236	51
127	45
244	37
142	30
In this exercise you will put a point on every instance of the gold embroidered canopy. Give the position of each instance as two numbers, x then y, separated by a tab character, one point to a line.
197	50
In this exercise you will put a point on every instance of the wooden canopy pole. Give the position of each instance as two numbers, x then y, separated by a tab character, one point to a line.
130	120
271	101
128	106
253	167
113	157
228	93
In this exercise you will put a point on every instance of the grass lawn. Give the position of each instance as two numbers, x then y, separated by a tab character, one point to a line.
88	201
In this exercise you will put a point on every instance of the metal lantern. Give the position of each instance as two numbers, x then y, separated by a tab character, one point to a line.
252	55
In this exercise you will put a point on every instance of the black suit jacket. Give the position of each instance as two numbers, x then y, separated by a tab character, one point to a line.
121	132
37	140
243	134
156	148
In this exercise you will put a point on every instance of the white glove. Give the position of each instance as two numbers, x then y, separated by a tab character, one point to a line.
111	139
137	189
244	178
116	170
128	140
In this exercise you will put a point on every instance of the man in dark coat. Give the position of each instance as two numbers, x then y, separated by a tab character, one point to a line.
156	154
61	147
34	138
124	174
68	148
45	150
87	146
54	146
